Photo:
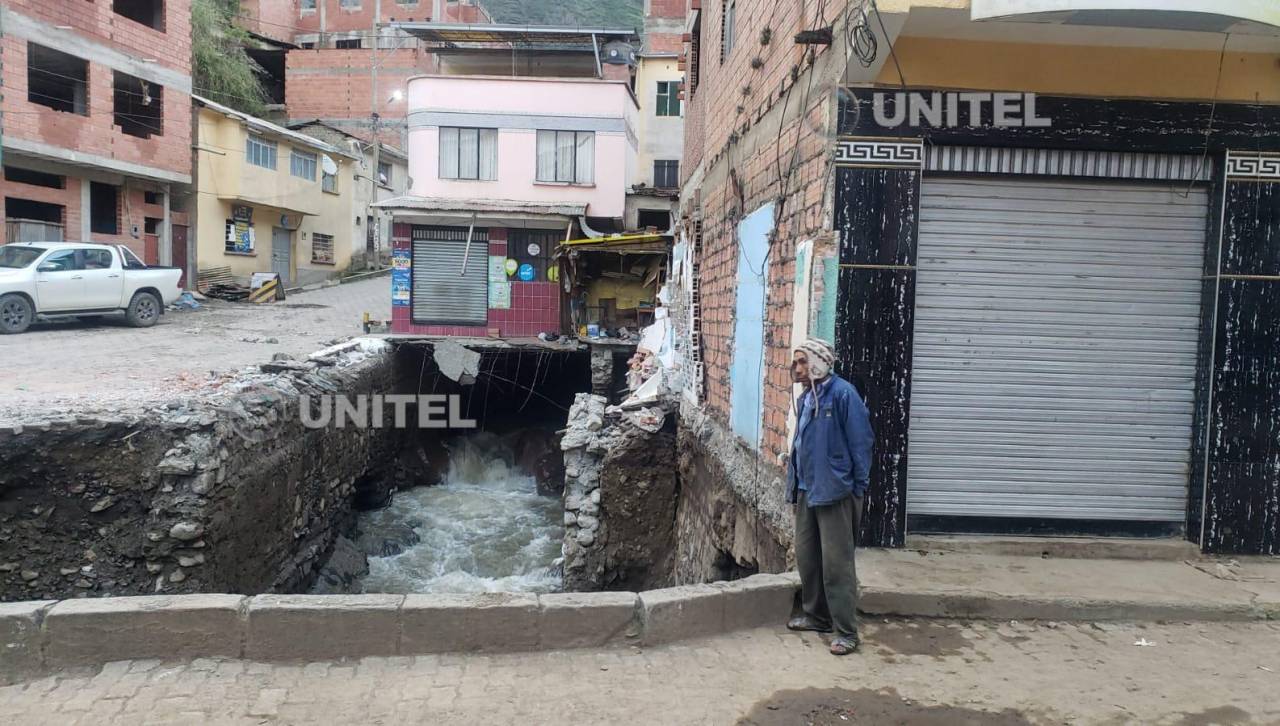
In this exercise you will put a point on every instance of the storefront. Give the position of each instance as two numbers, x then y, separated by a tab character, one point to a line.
1066	328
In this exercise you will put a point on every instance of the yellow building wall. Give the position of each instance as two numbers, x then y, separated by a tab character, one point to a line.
1084	70
225	179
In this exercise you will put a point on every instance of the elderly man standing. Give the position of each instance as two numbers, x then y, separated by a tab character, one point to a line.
829	470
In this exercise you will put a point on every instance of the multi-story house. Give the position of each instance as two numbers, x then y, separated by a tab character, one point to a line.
270	199
1041	235
658	76
507	166
95	123
391	181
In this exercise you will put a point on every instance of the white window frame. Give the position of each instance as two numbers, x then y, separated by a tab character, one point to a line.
578	169
258	151
451	147
326	240
303	164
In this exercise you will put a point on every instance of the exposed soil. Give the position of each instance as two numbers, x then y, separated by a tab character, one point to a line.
837	706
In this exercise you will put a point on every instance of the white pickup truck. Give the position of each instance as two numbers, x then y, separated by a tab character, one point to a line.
63	279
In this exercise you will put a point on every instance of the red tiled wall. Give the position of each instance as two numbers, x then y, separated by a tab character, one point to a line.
535	306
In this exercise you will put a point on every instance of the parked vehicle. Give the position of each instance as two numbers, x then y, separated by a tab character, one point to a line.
62	279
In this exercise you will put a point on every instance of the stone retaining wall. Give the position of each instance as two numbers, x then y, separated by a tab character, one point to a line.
225	491
40	636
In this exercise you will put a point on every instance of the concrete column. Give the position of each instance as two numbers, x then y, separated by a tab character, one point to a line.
166	230
85	211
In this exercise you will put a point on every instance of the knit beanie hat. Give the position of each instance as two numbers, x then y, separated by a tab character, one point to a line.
821	356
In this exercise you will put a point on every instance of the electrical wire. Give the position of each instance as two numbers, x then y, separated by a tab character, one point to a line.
1213	110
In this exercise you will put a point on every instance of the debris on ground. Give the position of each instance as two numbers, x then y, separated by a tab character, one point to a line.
456	362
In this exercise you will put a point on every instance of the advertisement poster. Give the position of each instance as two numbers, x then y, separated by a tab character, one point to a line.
500	295
401	278
497	268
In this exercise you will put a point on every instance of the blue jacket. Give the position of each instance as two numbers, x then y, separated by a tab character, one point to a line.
837	444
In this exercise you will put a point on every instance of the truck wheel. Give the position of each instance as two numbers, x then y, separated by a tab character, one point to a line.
143	310
16	314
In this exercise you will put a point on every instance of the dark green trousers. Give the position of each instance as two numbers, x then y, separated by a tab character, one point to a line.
825	541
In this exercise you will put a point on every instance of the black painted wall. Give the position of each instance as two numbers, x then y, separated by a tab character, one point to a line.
877	212
1242	509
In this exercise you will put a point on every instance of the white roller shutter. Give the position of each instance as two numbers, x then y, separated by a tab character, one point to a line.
1055	348
442	292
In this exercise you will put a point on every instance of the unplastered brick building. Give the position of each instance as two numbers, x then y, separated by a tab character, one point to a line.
97	123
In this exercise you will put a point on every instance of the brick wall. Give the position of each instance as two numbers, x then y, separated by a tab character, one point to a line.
277	19
170	48
95	133
338	19
535	306
335	84
747	161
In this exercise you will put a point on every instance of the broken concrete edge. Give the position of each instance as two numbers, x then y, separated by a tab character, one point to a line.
41	636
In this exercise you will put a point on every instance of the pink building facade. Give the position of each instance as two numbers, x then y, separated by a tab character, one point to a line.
503	169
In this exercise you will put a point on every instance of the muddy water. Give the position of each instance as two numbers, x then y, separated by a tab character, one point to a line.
485	529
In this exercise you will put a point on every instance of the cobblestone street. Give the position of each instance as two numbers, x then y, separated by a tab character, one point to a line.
103	365
919	671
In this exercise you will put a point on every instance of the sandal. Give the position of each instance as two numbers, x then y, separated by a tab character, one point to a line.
844	644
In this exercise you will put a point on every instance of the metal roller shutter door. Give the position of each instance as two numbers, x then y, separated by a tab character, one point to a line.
441	293
1055	349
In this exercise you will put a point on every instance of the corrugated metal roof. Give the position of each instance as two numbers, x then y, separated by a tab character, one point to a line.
440	204
465	33
262	125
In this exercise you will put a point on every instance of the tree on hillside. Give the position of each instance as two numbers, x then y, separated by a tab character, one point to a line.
221	70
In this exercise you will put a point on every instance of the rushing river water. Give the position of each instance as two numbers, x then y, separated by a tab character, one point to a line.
485	529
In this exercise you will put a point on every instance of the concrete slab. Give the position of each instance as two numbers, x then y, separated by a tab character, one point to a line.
322	627
588	620
1119	548
20	638
93	630
676	613
487	622
758	600
899	582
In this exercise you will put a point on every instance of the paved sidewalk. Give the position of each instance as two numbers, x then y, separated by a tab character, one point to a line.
922	671
103	365
910	582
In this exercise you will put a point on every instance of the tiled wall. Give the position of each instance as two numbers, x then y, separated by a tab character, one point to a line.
535	306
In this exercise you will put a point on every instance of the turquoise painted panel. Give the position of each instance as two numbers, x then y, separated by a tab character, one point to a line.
746	377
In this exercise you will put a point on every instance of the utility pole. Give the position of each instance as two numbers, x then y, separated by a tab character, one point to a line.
374	219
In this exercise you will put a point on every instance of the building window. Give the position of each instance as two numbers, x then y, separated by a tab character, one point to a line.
34	178
407	2
307	6
668	98
148	12
27	220
322	248
308	45
384	173
151	225
567	156
468	154
329	182
729	10
57	80
695	55
260	152
666	173
151	197
302	164
659	219
139	106
104	209
347	43
349	4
